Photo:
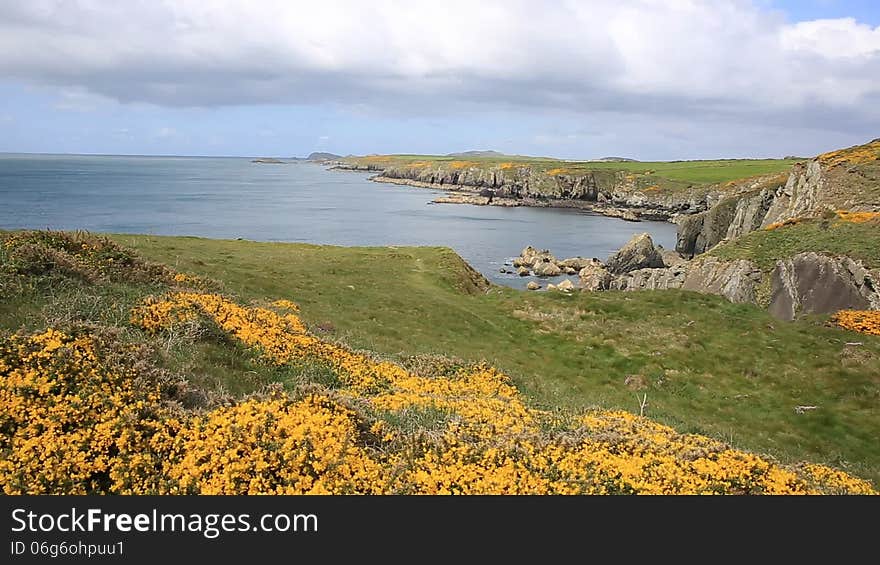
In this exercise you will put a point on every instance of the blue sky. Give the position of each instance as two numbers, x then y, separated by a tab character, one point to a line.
655	80
867	11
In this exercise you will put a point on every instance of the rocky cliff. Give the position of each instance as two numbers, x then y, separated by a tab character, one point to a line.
848	179
644	195
808	282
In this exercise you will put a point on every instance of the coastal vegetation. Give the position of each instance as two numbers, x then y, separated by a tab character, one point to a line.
856	235
680	172
233	366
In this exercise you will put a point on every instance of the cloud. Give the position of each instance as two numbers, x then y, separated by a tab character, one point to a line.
165	133
698	60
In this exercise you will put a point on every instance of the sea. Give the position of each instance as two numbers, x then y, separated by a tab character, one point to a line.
232	197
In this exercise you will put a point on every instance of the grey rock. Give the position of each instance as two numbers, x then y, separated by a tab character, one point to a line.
815	283
735	280
533	285
595	277
649	279
531	257
546	268
638	253
800	196
670	258
576	263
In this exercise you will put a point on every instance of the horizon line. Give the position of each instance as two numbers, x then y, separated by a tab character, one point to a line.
563	159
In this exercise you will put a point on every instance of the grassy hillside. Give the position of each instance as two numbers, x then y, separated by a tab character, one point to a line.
707	365
858	239
697	362
686	172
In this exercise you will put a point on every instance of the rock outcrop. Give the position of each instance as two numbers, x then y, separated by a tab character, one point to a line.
847	179
546	268
638	253
814	283
736	281
728	219
801	195
595	277
806	283
576	263
618	193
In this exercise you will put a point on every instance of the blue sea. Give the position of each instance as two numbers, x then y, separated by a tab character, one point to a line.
234	198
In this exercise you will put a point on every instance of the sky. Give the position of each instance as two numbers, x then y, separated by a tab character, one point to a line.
645	79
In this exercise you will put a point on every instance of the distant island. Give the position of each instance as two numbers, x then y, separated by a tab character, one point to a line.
322	156
616	160
489	153
268	160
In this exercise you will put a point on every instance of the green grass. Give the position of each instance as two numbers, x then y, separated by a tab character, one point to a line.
709	366
703	172
833	237
687	172
726	370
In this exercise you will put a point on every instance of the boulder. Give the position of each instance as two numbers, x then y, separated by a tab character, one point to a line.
522	271
576	263
570	270
670	258
565	286
546	268
736	280
814	283
551	286
595	277
649	279
533	285
638	253
530	256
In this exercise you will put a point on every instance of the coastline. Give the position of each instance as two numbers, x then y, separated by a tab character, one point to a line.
466	194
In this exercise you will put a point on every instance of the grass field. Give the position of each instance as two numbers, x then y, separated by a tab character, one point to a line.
698	362
706	365
831	236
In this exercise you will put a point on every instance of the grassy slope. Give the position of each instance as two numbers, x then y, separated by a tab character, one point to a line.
696	172
726	370
765	247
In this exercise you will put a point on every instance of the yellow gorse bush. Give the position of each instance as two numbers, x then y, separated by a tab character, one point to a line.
69	424
853	155
77	421
862	321
274	447
857	217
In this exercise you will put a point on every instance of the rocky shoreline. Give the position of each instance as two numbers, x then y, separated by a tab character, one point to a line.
462	194
606	192
808	282
804	282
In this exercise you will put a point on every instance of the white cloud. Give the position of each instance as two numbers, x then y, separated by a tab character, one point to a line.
689	57
166	132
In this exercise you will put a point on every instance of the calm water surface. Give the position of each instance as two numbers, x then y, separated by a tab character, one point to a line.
232	197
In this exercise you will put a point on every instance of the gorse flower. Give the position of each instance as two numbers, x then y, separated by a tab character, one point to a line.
862	321
76	420
857	217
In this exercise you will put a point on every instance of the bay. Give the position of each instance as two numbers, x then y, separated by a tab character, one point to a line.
298	202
